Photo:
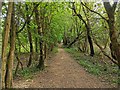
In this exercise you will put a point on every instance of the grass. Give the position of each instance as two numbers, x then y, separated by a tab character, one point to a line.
55	50
85	62
90	67
94	66
27	73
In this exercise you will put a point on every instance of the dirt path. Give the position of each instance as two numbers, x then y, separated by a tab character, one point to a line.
62	72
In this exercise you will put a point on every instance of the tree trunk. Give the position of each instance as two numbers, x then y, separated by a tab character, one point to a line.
0	41
88	30
9	66
112	32
65	39
30	39
45	50
77	38
88	34
18	63
40	32
5	42
85	44
36	45
115	46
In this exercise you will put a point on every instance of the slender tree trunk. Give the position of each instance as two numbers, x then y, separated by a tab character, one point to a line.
18	63
90	42
5	42
36	45
41	60
0	43
30	39
88	33
85	44
88	30
19	43
9	66
40	32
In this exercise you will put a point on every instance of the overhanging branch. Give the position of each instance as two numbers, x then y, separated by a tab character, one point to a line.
26	20
94	12
102	50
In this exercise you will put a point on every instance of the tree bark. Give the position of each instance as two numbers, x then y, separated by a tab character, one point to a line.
40	32
88	31
5	42
115	46
9	66
112	32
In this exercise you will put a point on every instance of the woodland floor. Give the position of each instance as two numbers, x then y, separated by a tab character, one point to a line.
62	72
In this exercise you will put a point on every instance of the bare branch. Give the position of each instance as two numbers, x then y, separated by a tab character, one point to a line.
102	50
79	15
94	12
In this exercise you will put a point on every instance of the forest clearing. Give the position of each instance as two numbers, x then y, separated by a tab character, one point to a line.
60	44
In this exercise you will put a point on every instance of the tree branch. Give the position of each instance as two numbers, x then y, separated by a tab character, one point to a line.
114	5
26	20
74	40
102	50
107	6
94	12
79	15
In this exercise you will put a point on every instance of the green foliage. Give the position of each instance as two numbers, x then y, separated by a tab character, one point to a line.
90	67
28	73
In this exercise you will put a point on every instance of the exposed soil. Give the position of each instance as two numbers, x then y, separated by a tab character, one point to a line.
62	72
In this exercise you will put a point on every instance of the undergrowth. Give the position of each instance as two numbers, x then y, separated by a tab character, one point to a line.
93	65
55	50
28	73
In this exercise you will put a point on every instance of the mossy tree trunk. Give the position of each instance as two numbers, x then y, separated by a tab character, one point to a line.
112	32
114	45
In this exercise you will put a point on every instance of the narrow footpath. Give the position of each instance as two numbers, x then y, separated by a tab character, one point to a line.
62	72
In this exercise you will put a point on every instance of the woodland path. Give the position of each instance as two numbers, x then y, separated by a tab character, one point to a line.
62	72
